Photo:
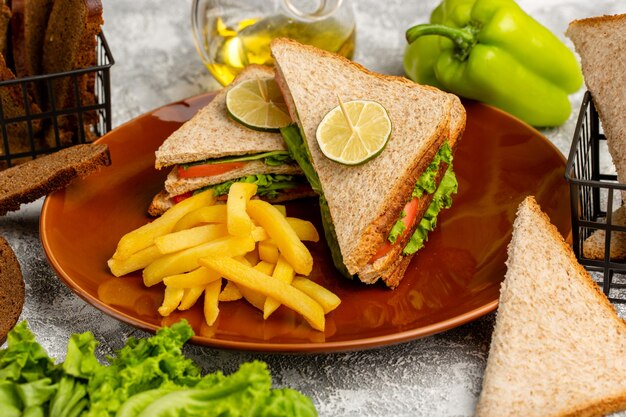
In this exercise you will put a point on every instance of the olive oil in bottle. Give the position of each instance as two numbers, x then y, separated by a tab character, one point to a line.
234	46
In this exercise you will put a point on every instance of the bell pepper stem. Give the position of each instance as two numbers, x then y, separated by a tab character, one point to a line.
464	38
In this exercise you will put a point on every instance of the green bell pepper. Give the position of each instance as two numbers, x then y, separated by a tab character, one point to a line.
492	51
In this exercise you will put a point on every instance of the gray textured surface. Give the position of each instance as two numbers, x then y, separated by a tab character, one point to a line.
156	63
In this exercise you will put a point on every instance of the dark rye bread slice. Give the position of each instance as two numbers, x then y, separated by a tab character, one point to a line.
69	44
13	106
601	43
362	198
5	23
28	29
11	289
38	177
558	346
212	133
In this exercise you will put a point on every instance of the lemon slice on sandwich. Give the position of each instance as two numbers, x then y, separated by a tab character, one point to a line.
258	104
354	132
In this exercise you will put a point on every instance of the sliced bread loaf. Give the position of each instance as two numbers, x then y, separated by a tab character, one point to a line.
601	43
558	347
11	289
28	29
27	182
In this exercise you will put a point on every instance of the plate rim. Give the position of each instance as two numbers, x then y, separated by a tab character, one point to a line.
300	347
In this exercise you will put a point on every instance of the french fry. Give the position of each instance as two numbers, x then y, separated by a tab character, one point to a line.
171	300
259	234
199	277
230	292
187	260
251	296
202	215
276	225
252	257
283	272
285	294
184	239
327	299
238	221
190	297
142	237
268	251
211	301
304	229
281	208
135	262
265	267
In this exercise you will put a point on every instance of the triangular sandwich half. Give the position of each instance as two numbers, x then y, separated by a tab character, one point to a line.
558	347
361	204
212	150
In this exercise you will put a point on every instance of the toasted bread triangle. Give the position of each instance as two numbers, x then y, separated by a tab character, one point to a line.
212	133
600	43
558	347
364	200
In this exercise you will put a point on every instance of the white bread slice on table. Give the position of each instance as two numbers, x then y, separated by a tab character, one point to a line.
558	347
363	206
211	133
601	43
593	247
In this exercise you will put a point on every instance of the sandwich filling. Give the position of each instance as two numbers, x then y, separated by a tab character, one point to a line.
270	186
426	184
226	164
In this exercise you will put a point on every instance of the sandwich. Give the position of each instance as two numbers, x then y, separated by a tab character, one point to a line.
213	150
558	344
377	214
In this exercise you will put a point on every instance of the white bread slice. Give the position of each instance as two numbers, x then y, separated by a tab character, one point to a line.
175	185
212	133
558	347
364	200
593	247
601	43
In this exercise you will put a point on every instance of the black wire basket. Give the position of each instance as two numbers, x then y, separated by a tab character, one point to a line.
32	126
595	195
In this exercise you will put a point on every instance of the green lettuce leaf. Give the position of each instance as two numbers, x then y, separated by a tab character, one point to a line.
442	199
426	182
268	185
299	151
398	228
274	158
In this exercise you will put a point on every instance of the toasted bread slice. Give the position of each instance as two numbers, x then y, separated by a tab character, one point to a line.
13	106
601	44
558	347
28	30
27	182
211	133
70	43
5	23
364	200
11	289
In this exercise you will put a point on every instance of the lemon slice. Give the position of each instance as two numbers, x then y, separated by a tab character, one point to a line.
354	132
258	104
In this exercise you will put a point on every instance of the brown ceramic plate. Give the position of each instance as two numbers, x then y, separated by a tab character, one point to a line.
453	280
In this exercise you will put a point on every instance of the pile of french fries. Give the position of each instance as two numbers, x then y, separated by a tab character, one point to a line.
250	243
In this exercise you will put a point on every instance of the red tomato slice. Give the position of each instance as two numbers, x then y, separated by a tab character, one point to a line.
410	210
180	197
208	170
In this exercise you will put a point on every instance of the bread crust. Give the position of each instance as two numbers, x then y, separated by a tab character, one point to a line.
12	289
31	180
